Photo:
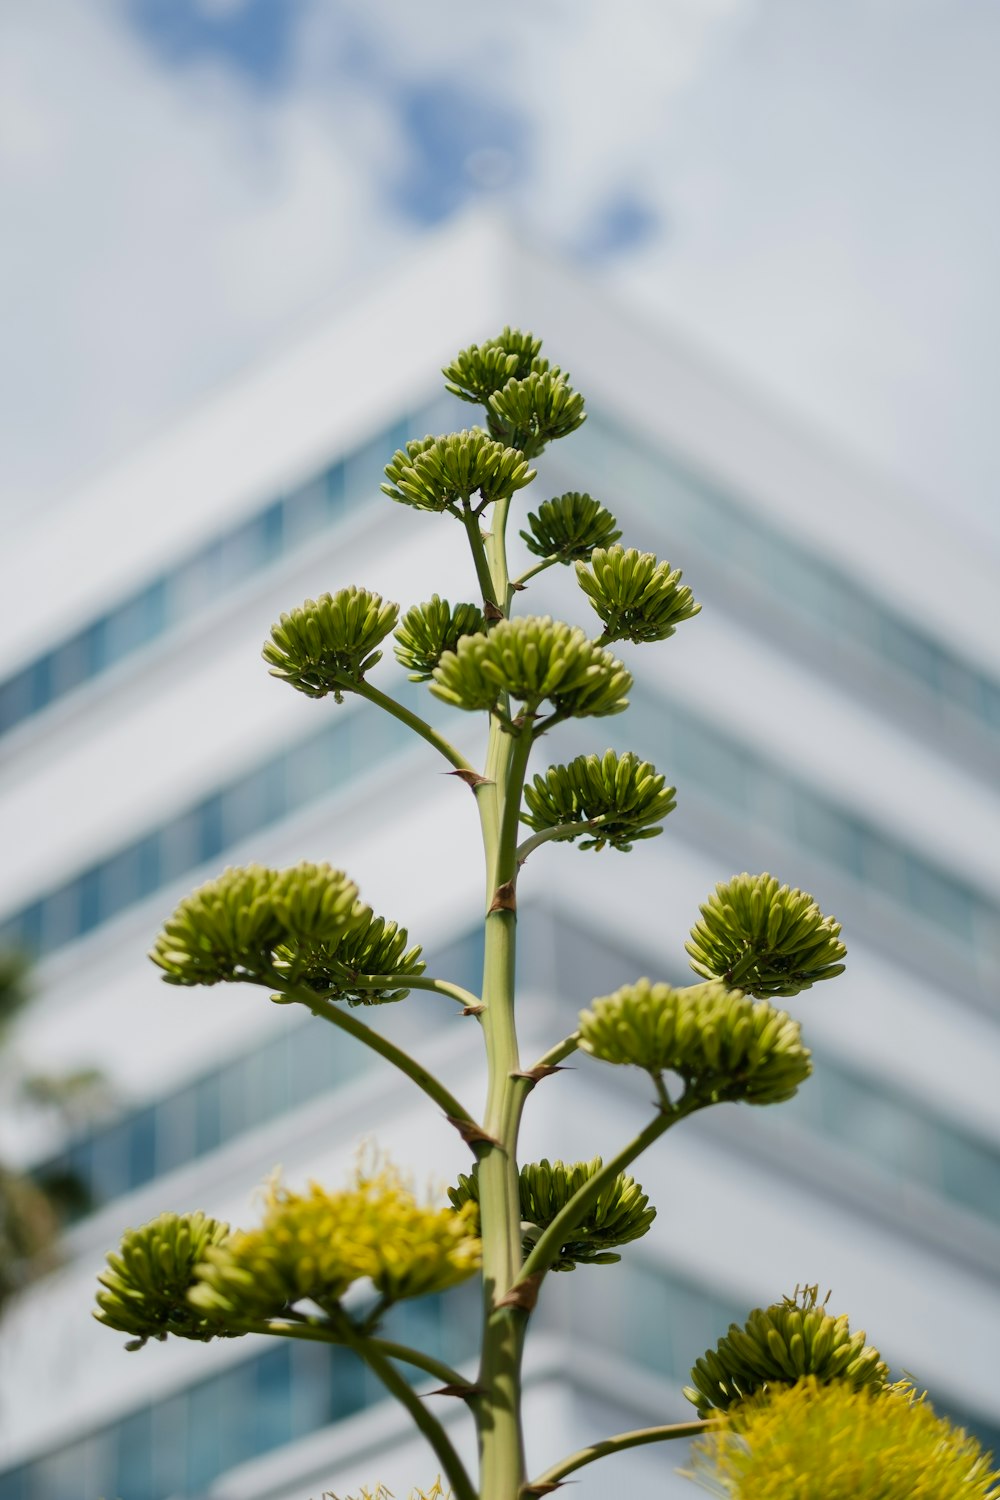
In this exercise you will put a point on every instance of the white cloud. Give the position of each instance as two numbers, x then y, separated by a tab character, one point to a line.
831	218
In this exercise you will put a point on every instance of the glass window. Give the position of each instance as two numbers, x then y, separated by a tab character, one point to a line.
16	699
133	1457
211	831
176	1129
142	1145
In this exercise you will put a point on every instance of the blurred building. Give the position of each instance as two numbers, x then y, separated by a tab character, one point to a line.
833	716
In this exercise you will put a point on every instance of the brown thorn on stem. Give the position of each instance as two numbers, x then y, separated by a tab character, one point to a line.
542	1489
541	1071
471	778
473	1010
491	611
525	1294
466	1392
471	1133
519	588
505	898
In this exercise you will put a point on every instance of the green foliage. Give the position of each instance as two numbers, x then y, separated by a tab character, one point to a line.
812	1441
569	527
327	644
723	1045
627	794
638	598
533	660
428	630
622	1212
313	1246
146	1284
765	938
777	1346
443	473
475	373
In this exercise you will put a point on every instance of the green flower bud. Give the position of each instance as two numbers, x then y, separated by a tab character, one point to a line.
779	1345
443	473
428	630
475	373
314	1245
225	930
374	946
765	938
146	1284
832	1440
723	1045
526	414
327	644
233	927
534	660
638	598
570	527
622	1212
626	793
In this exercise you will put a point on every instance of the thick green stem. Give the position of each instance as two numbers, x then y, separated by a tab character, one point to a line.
327	1011
635	1439
498	1411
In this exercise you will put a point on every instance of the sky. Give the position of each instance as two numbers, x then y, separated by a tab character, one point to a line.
804	189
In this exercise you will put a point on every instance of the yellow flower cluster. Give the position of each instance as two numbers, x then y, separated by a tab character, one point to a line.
314	1245
381	1493
811	1441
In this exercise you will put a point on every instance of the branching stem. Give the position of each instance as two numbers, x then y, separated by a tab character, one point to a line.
548	1247
415	1071
411	720
635	1439
414	982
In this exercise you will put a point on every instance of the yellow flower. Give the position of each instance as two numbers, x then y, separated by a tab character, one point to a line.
811	1441
314	1245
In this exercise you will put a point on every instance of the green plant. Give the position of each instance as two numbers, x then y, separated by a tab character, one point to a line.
305	936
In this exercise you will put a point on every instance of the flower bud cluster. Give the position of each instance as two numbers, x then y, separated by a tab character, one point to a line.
622	1212
723	1045
146	1284
475	373
780	1344
638	598
440	473
526	414
428	630
304	925
569	527
627	794
533	659
765	938
327	644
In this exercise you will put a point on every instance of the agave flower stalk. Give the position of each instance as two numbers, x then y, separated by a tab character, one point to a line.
306	936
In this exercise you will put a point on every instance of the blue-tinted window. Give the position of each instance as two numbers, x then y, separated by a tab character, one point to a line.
199	580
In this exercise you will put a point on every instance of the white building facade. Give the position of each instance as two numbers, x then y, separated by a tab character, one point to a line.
833	715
